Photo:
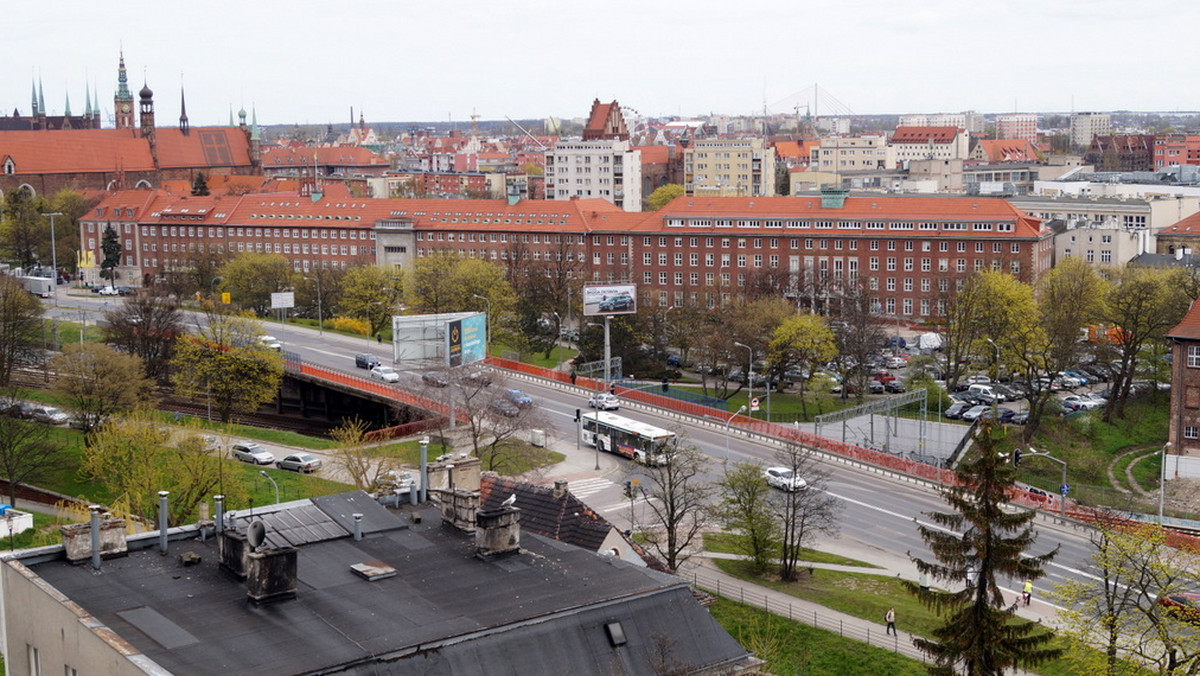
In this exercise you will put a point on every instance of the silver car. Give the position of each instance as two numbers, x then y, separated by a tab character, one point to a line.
300	462
253	454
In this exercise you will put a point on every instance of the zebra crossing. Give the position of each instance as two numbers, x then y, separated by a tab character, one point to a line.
585	487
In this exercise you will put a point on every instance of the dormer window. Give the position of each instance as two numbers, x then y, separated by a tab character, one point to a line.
10	167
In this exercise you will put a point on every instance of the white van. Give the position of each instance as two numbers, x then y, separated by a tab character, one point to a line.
984	392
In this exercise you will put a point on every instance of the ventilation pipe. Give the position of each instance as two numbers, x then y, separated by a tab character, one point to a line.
95	536
162	521
358	527
220	520
424	469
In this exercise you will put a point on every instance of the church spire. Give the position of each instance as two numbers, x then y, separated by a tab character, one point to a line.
123	92
183	120
41	99
87	100
67	111
33	98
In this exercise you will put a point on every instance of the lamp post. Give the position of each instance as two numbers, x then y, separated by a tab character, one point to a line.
995	378
487	343
749	373
736	413
320	316
54	252
266	476
1162	480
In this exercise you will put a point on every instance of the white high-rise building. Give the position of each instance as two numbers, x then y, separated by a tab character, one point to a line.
609	169
1086	126
1017	126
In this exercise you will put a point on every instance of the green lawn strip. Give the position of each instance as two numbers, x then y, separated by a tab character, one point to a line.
791	647
262	434
727	543
557	356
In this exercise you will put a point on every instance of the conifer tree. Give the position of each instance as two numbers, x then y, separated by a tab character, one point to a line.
975	545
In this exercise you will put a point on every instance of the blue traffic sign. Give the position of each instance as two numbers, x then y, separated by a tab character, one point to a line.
1064	489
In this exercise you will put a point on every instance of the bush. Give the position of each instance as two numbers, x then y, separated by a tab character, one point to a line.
351	325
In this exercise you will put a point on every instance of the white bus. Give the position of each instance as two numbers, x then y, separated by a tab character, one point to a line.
631	439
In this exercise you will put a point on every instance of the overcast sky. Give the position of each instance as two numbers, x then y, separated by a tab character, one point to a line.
309	62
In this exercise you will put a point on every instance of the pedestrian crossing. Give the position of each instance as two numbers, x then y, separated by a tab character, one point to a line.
585	487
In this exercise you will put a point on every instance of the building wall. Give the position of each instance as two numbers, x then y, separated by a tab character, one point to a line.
853	153
63	635
1017	125
729	168
1086	126
608	169
1184	429
1100	244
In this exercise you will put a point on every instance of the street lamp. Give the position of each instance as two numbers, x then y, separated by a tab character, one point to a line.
995	377
749	372
1162	480
320	317
735	414
266	476
54	252
487	343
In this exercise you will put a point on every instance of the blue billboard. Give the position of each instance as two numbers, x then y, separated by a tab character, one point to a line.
466	340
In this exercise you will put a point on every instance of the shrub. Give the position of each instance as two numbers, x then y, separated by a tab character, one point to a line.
351	325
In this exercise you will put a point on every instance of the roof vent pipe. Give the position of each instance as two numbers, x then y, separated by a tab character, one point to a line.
220	520
162	521
424	468
357	527
95	536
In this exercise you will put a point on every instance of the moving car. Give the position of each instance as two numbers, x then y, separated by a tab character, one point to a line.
504	407
519	398
478	377
300	462
604	401
253	454
385	373
1182	605
270	342
49	415
366	361
784	479
109	291
434	379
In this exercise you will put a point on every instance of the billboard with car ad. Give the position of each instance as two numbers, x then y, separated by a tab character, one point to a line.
609	299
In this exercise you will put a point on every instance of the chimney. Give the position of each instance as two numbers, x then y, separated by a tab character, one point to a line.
79	545
220	520
498	532
271	574
162	521
560	488
357	527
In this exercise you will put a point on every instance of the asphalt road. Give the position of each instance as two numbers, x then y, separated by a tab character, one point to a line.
879	513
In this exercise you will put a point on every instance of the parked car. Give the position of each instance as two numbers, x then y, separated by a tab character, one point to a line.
49	415
896	362
1182	605
1002	414
20	409
435	379
519	398
504	407
253	454
109	291
1020	417
1083	402
977	380
385	373
784	479
972	414
604	401
300	462
882	375
893	387
366	361
956	410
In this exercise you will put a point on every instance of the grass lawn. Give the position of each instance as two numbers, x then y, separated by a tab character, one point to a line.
557	355
263	434
790	647
727	543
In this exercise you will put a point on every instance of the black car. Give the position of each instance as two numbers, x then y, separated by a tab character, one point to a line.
366	361
893	386
956	410
504	407
435	379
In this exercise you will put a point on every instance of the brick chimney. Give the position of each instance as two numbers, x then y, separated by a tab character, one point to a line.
497	532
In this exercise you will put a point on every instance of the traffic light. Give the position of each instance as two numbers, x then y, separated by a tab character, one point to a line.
628	489
578	414
1016	457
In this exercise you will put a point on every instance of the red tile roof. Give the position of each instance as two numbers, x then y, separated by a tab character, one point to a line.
1008	150
202	147
325	155
654	154
1189	327
76	151
925	134
1188	227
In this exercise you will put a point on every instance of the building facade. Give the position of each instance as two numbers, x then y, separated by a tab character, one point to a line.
1086	126
1017	126
729	168
838	154
930	143
607	169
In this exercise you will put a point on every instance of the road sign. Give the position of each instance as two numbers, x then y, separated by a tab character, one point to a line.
1064	489
754	404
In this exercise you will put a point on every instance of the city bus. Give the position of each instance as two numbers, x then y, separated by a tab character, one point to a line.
631	439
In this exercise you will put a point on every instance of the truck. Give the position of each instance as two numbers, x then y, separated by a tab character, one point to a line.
42	287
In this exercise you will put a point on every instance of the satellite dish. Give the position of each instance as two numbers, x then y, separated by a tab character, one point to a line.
256	534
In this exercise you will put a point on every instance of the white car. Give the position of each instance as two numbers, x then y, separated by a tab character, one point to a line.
270	342
109	291
784	479
385	373
253	454
604	401
50	415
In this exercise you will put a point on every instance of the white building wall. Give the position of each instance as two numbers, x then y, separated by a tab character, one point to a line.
607	169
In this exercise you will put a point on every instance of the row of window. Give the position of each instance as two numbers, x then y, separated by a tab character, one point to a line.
502	237
839	225
230	232
811	243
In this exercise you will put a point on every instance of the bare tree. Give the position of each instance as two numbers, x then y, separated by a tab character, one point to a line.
20	330
146	325
98	382
806	513
680	501
27	454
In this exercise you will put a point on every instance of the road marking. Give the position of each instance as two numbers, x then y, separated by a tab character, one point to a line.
586	487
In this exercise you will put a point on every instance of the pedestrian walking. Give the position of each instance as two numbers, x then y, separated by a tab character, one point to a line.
573	376
890	618
1028	591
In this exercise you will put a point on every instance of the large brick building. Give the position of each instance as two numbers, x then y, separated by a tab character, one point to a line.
908	253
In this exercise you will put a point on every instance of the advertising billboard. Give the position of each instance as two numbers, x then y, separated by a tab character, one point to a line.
466	340
609	299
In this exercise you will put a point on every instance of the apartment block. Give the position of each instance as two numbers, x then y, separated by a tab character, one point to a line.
729	168
1017	126
608	169
1086	126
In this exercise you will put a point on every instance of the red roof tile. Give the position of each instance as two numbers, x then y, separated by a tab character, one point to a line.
1189	327
76	151
654	154
925	134
1188	227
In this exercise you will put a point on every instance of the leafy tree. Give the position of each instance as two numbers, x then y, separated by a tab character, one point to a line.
27	455
20	328
663	196
803	514
22	227
1115	614
371	293
251	278
801	341
135	459
746	509
97	382
110	247
449	283
200	185
224	362
146	325
973	545
680	501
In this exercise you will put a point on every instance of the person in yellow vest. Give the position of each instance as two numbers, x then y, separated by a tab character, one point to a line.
1028	591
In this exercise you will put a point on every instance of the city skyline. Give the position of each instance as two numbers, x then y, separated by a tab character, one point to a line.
311	62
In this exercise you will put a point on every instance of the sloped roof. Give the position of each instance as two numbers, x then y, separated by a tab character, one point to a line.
322	155
202	147
1188	227
794	150
560	517
1007	150
925	134
76	151
654	154
1189	327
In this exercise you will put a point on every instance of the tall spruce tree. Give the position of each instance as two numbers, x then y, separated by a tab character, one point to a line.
110	246
975	544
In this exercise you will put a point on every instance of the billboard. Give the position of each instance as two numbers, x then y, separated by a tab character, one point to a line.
466	340
609	299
